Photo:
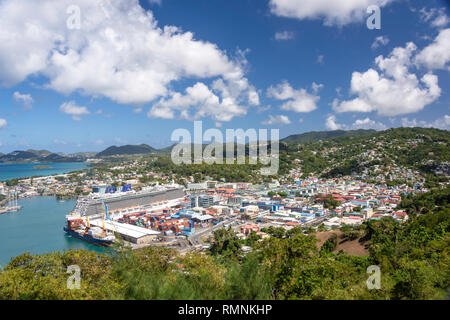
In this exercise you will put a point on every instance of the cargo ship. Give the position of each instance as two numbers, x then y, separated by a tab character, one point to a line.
95	206
77	228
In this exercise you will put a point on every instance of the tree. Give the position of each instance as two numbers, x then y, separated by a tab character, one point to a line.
329	202
275	232
12	182
226	244
349	232
330	244
252	239
247	281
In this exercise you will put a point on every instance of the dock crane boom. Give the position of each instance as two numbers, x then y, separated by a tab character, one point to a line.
108	217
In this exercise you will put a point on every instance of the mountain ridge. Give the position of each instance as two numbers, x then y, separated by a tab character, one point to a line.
19	156
128	149
313	136
31	155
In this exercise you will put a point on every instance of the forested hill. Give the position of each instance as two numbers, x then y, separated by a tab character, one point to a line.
338	136
127	150
323	135
383	156
423	149
38	156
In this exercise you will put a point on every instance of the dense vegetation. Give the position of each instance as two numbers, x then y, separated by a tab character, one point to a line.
384	157
38	156
421	149
413	257
126	150
363	153
219	172
323	135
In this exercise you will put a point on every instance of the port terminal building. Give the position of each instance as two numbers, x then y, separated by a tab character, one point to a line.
129	232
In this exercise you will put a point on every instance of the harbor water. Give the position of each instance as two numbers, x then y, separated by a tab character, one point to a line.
38	228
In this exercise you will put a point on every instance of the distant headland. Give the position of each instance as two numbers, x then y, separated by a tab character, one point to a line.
42	166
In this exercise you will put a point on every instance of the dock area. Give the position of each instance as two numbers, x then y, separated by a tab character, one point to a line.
128	232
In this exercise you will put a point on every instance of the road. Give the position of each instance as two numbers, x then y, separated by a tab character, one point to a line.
193	241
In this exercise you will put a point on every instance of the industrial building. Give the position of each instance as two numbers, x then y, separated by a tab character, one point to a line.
203	201
129	232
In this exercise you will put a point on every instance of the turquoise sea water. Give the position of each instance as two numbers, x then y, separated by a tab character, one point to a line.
22	170
38	228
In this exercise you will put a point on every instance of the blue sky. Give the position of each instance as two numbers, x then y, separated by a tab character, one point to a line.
294	65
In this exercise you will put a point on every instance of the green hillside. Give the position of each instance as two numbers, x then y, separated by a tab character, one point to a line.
324	135
423	149
40	153
126	150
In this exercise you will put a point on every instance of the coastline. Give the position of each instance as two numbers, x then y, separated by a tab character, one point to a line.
37	162
37	175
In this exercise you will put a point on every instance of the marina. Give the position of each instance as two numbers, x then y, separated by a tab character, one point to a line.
11	203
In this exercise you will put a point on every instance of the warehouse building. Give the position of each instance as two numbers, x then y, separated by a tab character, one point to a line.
128	232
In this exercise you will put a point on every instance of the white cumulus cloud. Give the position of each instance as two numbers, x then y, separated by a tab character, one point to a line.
331	123
198	101
442	123
119	52
299	100
437	54
366	123
435	16
393	89
279	119
25	99
333	12
72	109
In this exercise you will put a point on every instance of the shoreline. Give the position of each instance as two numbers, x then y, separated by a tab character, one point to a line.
3	180
37	162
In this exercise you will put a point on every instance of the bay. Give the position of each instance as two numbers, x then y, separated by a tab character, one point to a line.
21	170
38	228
